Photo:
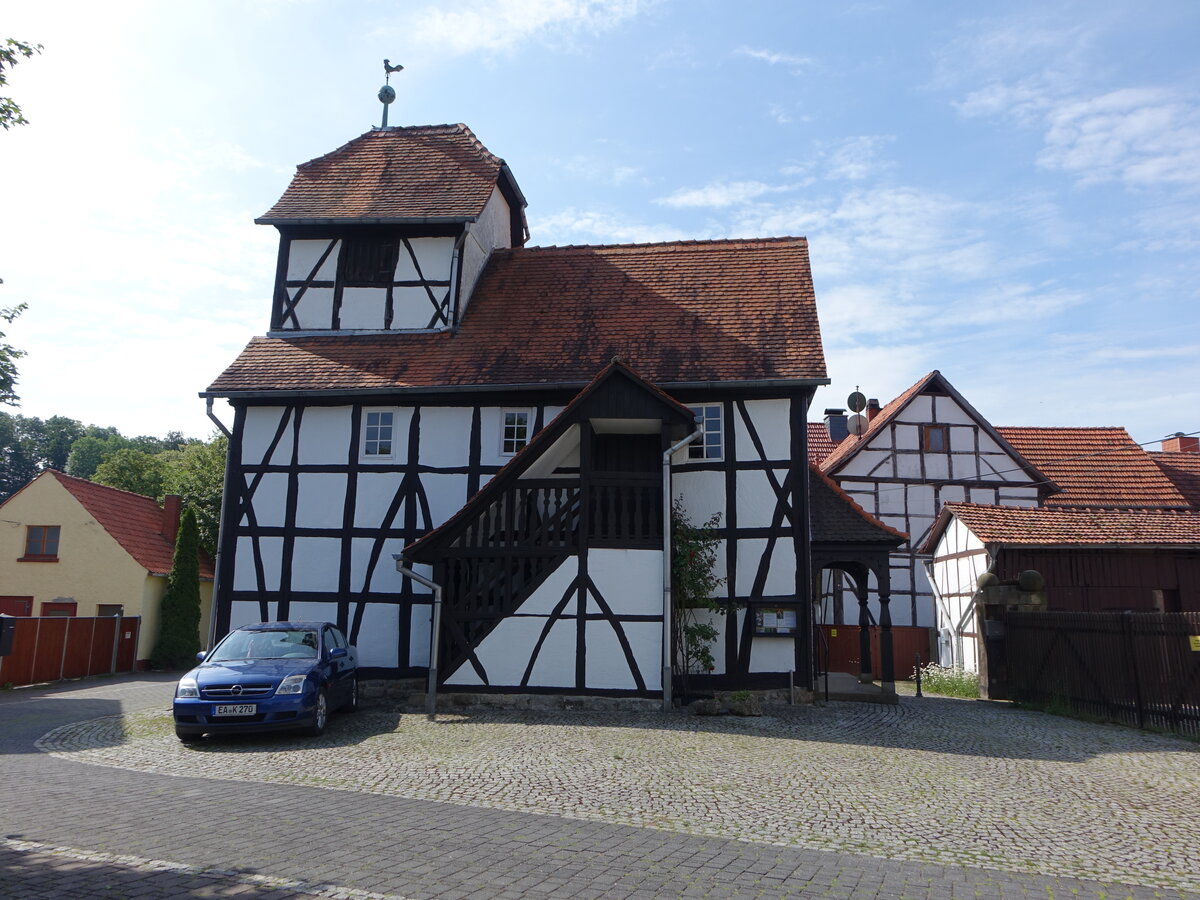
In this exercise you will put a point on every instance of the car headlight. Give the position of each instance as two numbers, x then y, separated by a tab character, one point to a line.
293	684
187	688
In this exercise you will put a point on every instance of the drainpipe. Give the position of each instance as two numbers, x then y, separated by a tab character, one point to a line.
226	494
666	647
435	627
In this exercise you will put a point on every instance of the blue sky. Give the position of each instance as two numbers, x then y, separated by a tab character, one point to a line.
1006	194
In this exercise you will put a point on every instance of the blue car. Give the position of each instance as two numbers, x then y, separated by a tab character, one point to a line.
273	676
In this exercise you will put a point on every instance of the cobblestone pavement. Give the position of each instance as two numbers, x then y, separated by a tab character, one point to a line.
932	798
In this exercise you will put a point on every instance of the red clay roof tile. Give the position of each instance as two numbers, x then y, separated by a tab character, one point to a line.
1183	468
426	171
820	445
134	521
1009	525
682	312
1096	467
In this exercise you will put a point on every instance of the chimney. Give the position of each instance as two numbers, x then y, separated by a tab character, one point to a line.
835	425
1181	443
873	409
170	516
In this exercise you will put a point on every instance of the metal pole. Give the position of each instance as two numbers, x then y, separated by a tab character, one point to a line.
666	644
917	670
434	628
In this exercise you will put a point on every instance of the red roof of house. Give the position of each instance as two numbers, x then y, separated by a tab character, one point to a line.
820	445
838	519
134	521
1183	469
679	313
1098	467
437	172
1031	526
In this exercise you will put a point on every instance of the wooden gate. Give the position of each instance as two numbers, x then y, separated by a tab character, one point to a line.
50	648
1140	669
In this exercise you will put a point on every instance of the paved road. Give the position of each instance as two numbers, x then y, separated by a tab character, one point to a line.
70	829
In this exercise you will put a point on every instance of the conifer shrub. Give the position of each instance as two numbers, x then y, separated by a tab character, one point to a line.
179	619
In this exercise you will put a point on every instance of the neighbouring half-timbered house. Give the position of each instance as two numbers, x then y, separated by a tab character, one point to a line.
925	448
430	383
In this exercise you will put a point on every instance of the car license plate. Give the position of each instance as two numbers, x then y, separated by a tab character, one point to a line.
235	709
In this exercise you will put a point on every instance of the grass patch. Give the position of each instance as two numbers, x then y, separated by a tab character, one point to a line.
949	682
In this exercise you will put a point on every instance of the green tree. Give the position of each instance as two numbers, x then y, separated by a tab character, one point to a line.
693	588
133	470
11	53
179	619
89	451
197	473
18	464
8	357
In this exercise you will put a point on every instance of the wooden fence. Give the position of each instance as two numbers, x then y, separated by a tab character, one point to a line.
50	648
1140	669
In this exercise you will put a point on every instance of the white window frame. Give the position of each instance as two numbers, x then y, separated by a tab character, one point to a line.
529	420
364	453
703	450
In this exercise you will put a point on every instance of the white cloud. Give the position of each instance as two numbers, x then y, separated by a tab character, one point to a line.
856	158
718	194
498	25
602	170
775	58
571	226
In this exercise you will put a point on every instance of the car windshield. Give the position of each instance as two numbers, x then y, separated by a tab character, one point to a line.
298	644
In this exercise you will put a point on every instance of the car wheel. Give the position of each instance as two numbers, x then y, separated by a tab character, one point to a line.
320	715
352	703
187	737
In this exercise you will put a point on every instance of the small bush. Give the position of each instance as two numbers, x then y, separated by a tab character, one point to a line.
937	679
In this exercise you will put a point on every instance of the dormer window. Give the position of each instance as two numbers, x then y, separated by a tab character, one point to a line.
369	262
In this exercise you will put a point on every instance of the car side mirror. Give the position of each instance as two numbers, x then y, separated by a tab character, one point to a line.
200	656
337	652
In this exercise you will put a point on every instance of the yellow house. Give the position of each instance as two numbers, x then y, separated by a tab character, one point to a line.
70	547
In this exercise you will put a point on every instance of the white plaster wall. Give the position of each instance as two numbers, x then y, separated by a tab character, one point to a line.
434	255
702	493
310	611
717	621
320	499
605	666
375	491
950	412
269	499
364	308
908	437
756	499
246	612
445	436
630	581
551	591
325	435
908	465
919	409
315	309
316	563
868	459
260	427
377	636
244	578
303	255
770	419
962	439
385	579
781	573
773	654
420	624
411	307
937	466
491	231
446	495
505	653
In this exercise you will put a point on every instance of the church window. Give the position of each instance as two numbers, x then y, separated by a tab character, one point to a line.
377	433
515	431
711	445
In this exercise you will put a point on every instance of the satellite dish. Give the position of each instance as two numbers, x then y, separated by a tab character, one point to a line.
857	424
857	402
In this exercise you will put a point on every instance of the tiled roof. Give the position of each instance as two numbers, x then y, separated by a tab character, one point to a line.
1184	471
819	443
1057	527
682	312
1096	467
427	171
134	521
837	519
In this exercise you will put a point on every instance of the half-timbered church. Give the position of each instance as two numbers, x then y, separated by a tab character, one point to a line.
512	422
